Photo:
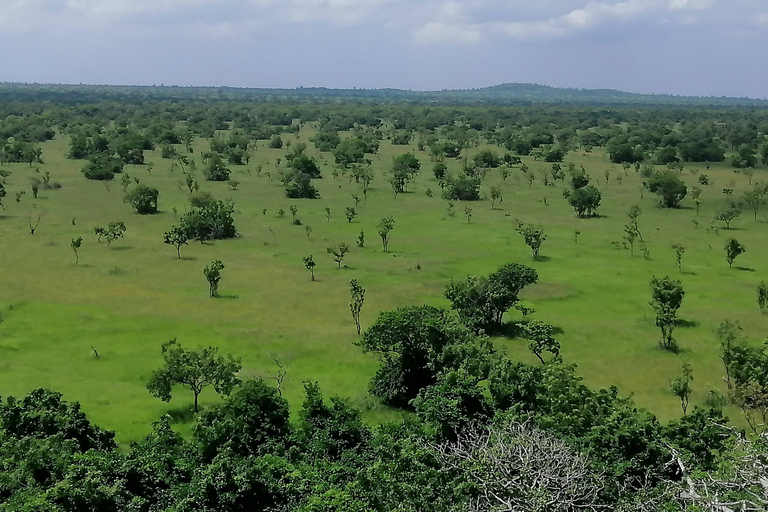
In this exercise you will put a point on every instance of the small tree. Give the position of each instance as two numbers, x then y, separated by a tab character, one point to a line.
385	226
495	196
762	296
176	237
681	386
338	252
308	229
213	274
356	302
468	213
294	210
310	264
733	249
194	369
667	297
351	213
327	214
679	250
361	239
534	237
114	231
76	244
540	339
728	213
630	235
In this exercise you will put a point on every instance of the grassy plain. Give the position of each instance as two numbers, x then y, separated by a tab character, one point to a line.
125	301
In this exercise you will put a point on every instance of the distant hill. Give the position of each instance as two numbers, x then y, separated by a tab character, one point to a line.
503	94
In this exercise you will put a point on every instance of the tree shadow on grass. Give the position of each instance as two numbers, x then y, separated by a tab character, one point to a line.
187	258
745	269
688	273
515	329
122	248
542	258
183	414
227	297
687	324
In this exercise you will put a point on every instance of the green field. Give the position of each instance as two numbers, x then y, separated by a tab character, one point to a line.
126	300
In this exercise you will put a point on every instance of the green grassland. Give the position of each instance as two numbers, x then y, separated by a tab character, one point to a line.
126	300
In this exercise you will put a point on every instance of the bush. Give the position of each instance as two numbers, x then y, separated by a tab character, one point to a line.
300	187
216	170
102	167
585	200
463	188
212	221
143	199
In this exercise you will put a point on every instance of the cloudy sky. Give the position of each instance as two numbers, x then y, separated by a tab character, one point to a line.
697	47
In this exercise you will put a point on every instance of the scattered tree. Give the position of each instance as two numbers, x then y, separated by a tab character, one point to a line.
338	252
212	273
681	386
195	370
667	297
310	264
76	244
143	199
356	302
733	249
762	296
176	237
533	235
540	339
350	213
385	226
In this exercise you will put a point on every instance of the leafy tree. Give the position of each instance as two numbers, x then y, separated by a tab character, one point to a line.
384	227
406	163
487	158
252	421
468	213
2	195
212	273
350	213
361	239
143	199
114	231
495	196
463	188
681	386
762	296
338	252
212	221
440	170
303	164
667	297
76	244
585	200
755	198
300	187
540	339
668	186
310	264
294	210
728	214
414	345
216	169
102	167
534	237
356	301
733	249
482	301
42	413
195	370
176	237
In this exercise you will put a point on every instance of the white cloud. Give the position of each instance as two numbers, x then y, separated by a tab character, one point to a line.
435	32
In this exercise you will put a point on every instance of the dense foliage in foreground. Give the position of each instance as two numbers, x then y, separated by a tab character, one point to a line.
486	433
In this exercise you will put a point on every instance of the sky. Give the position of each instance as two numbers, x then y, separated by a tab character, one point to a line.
687	47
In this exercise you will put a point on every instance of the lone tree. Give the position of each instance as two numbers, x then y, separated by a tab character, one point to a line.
495	196
540	339
143	199
213	275
584	200
728	213
351	213
667	297
534	237
681	386
338	252
679	250
310	264
114	231
176	237
733	249
384	227
76	244
194	369
356	301
762	296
